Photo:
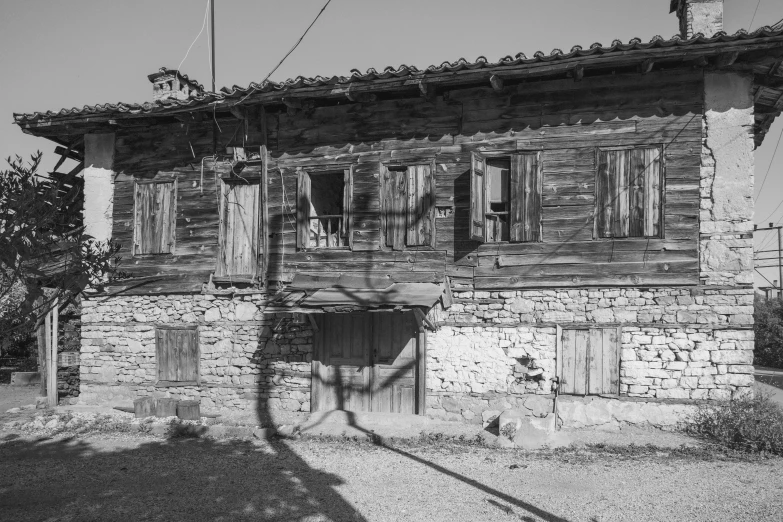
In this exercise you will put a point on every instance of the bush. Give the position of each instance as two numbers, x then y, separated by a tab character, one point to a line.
768	317
751	424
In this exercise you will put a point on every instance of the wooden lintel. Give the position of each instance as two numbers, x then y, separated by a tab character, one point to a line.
726	59
773	82
497	83
646	66
579	73
68	153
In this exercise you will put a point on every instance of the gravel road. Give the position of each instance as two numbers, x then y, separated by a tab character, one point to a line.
104	478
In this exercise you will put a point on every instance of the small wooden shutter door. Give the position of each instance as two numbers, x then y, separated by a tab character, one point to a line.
525	194
589	361
177	354
347	228
303	210
155	218
239	236
612	193
478	197
645	192
420	206
393	207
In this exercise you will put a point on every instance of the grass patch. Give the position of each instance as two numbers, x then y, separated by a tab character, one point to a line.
747	424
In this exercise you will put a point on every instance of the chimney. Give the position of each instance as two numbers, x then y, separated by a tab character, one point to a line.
698	16
169	83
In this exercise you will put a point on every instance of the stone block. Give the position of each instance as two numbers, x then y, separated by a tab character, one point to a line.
732	356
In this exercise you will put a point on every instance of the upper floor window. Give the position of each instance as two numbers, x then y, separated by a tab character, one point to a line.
154	217
407	206
505	197
628	193
323	204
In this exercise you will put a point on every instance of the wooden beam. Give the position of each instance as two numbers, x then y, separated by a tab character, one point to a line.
68	153
726	59
497	83
313	324
361	97
646	66
773	82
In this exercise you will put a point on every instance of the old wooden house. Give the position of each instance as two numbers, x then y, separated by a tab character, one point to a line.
453	241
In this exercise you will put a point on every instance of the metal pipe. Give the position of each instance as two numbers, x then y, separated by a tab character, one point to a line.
780	263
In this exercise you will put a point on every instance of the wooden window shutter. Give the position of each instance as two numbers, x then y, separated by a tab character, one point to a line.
478	197
239	230
420	206
303	210
177	355
628	193
525	194
155	218
393	207
589	361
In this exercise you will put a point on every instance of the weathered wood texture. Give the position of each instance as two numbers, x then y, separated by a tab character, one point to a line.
177	356
558	128
589	361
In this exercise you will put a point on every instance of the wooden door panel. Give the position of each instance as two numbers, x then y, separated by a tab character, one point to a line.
394	370
590	362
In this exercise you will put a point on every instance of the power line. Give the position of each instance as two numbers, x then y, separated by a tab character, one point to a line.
203	25
291	50
770	165
754	15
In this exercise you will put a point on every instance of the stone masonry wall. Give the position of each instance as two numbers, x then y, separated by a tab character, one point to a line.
245	356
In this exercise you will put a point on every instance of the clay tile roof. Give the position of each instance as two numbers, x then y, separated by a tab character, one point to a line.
238	92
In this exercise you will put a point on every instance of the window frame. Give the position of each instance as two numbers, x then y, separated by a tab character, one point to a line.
431	186
136	246
518	207
661	193
160	383
303	193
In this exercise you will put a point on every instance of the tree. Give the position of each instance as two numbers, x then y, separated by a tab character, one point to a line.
45	256
768	324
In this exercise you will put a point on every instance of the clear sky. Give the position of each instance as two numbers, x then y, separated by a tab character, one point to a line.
56	54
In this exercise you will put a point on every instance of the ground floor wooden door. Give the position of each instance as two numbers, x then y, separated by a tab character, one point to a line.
588	361
368	362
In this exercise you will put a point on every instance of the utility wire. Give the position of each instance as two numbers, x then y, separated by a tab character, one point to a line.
203	25
754	15
770	165
290	51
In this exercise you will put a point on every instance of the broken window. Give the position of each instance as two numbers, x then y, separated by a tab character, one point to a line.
177	356
506	197
407	206
628	193
588	361
322	209
154	217
238	241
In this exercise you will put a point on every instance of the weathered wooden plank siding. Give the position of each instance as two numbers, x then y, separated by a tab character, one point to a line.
565	122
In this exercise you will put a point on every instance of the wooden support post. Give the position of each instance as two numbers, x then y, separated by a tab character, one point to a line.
166	407
42	347
144	407
189	410
51	354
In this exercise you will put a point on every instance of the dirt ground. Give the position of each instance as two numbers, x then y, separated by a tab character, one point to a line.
111	478
17	396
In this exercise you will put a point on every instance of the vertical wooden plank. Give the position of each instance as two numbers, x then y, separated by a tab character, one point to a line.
421	372
559	357
517	195
385	204
303	210
412	215
189	356
430	184
41	343
653	192
636	184
581	340
263	190
478	197
533	192
612	340
621	194
399	193
316	365
348	207
567	380
595	351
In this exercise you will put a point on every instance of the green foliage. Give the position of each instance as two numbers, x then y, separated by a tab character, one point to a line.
768	318
749	424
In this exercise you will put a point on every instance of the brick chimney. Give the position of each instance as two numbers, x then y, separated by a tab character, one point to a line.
169	83
698	16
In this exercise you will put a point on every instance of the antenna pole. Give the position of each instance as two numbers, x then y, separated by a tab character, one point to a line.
212	30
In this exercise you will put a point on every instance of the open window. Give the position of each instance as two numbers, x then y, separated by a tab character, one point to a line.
177	356
407	206
154	227
323	208
238	239
505	197
628	193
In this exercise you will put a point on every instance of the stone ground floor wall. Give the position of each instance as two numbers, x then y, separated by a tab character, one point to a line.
492	350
